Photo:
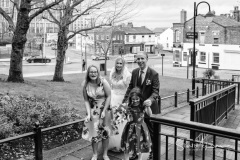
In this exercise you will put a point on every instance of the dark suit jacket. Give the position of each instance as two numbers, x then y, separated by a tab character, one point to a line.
150	88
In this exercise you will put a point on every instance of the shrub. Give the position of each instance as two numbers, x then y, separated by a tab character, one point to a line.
23	111
208	73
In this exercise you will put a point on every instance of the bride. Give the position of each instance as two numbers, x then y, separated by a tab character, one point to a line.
119	78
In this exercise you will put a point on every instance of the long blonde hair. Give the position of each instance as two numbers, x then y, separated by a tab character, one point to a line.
124	72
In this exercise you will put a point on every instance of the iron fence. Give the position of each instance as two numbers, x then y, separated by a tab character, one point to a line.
33	143
171	148
212	109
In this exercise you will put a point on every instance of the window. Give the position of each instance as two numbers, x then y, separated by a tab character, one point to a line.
203	56
142	47
134	38
177	36
215	41
185	56
202	38
107	37
215	57
127	38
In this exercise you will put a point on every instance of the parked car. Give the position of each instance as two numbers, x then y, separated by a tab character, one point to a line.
38	59
130	58
99	57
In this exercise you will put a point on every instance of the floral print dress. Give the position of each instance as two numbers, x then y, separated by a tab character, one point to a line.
136	138
97	129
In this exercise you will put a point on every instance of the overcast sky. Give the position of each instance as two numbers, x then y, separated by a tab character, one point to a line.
162	13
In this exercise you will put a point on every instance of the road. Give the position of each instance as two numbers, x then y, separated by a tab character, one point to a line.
73	65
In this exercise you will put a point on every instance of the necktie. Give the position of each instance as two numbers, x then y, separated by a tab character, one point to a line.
140	78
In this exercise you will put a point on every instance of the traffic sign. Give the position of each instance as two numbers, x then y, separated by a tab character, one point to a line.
189	35
162	54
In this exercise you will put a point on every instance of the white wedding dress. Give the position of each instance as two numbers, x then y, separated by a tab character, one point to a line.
119	87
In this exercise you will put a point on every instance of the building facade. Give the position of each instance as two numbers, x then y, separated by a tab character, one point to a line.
138	39
166	39
217	42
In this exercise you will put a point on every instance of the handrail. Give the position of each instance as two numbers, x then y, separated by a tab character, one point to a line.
17	137
62	125
211	95
199	127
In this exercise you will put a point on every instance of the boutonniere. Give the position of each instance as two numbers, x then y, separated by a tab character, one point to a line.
148	82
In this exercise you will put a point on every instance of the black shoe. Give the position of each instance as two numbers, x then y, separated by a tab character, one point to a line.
133	157
150	157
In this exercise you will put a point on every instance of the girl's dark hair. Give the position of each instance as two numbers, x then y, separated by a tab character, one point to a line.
135	92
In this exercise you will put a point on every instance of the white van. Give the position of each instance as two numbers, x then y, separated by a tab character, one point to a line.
130	58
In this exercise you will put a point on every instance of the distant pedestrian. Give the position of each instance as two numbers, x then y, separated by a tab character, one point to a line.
83	65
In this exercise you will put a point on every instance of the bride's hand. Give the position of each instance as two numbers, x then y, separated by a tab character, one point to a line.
88	118
124	105
103	114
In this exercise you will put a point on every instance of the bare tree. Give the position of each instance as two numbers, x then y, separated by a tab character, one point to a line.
68	11
27	10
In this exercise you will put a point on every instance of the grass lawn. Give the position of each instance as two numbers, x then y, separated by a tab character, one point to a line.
70	92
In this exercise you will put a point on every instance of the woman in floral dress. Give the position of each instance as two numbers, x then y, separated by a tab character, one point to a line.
135	137
120	78
97	125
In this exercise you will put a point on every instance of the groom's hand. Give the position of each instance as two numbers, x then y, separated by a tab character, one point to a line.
147	103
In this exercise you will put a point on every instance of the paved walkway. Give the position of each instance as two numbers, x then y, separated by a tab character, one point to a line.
82	149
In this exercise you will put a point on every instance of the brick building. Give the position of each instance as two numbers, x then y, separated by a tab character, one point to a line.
217	42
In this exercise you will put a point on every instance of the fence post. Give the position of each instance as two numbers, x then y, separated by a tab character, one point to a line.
38	142
205	90
175	99
157	141
160	104
197	92
203	87
192	132
227	104
215	110
188	94
238	93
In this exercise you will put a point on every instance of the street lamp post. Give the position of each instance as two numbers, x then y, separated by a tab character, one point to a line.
194	49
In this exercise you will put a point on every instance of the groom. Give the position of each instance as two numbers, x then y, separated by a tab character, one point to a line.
147	80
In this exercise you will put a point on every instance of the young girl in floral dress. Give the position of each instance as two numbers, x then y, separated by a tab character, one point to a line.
136	138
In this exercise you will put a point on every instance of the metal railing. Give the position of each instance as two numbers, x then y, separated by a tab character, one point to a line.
212	85
179	98
37	137
213	108
175	153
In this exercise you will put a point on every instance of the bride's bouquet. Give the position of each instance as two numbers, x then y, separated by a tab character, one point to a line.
119	116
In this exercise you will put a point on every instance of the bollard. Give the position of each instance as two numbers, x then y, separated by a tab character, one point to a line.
38	142
175	99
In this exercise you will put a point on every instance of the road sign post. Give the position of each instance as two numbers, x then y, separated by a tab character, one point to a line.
162	62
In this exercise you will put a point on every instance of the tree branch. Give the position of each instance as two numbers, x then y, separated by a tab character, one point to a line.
46	7
85	29
15	4
8	19
86	10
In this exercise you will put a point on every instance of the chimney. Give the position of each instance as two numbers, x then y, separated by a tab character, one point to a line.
183	17
236	13
130	24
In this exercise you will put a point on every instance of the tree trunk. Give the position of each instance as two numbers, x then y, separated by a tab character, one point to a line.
62	45
18	43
